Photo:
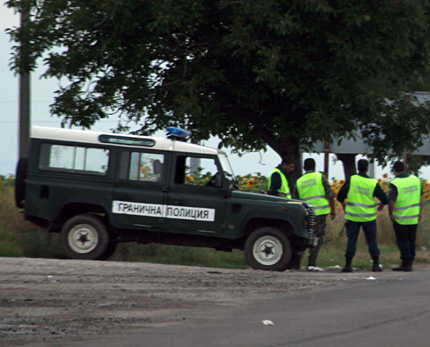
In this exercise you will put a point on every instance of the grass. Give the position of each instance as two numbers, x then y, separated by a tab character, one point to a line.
22	239
154	253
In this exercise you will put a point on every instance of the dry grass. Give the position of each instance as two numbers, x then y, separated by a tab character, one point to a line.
336	228
334	247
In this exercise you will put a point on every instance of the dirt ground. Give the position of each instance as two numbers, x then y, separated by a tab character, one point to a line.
49	301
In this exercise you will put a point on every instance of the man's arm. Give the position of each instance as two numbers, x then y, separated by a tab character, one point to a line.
422	204
275	183
343	192
332	204
379	193
390	210
392	196
329	194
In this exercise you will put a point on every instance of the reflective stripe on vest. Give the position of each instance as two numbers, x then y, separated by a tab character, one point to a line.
407	205
311	189
285	188
360	205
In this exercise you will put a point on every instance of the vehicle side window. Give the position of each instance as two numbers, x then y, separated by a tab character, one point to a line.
147	167
196	171
86	160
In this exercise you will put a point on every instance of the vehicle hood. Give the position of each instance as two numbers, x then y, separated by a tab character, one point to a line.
264	197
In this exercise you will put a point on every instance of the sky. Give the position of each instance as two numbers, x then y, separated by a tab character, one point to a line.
42	95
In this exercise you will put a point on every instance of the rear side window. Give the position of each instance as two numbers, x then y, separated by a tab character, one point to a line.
76	159
142	166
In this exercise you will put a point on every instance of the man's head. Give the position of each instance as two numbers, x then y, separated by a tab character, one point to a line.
398	168
287	163
363	165
309	164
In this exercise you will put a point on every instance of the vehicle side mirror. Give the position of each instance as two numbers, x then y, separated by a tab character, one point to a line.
217	180
226	186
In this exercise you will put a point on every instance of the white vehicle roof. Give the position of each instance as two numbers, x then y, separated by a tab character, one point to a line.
87	137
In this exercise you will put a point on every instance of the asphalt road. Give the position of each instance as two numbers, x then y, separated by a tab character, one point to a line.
381	312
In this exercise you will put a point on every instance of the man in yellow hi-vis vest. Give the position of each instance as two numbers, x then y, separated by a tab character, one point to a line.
406	203
360	211
314	188
278	183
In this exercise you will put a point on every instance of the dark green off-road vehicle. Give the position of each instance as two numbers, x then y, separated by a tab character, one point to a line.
99	189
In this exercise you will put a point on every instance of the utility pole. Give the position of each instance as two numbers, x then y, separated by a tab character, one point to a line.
326	158
24	99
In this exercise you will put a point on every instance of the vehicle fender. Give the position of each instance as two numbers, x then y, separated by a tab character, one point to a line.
279	216
87	200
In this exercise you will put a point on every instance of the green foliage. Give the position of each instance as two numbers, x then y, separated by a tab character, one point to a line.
252	72
17	237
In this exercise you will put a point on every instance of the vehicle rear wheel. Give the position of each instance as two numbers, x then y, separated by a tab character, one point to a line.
20	181
85	237
268	249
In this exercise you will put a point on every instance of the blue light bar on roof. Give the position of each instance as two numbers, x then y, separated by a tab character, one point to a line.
177	133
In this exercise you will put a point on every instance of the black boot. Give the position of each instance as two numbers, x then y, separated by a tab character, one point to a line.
347	267
376	267
406	266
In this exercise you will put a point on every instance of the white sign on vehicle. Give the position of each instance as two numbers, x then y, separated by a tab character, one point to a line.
166	211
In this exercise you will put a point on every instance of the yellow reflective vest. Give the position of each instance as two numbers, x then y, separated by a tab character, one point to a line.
407	205
360	204
285	188
311	189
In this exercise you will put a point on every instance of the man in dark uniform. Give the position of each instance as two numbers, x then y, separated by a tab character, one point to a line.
278	183
406	204
360	211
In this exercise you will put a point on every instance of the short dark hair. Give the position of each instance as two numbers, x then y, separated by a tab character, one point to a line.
309	164
287	159
362	165
399	166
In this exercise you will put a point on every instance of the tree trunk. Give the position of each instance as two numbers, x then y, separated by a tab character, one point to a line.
348	161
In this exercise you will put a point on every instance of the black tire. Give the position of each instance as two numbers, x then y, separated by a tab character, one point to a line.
20	182
268	249
85	237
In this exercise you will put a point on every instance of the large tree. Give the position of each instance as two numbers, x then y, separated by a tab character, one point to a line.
253	72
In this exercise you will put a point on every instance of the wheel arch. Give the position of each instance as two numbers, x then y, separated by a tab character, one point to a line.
258	220
81	206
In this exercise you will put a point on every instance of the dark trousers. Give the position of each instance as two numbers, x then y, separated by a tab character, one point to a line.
352	231
406	236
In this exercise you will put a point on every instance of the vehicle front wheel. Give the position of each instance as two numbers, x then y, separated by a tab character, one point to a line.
85	237
268	249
